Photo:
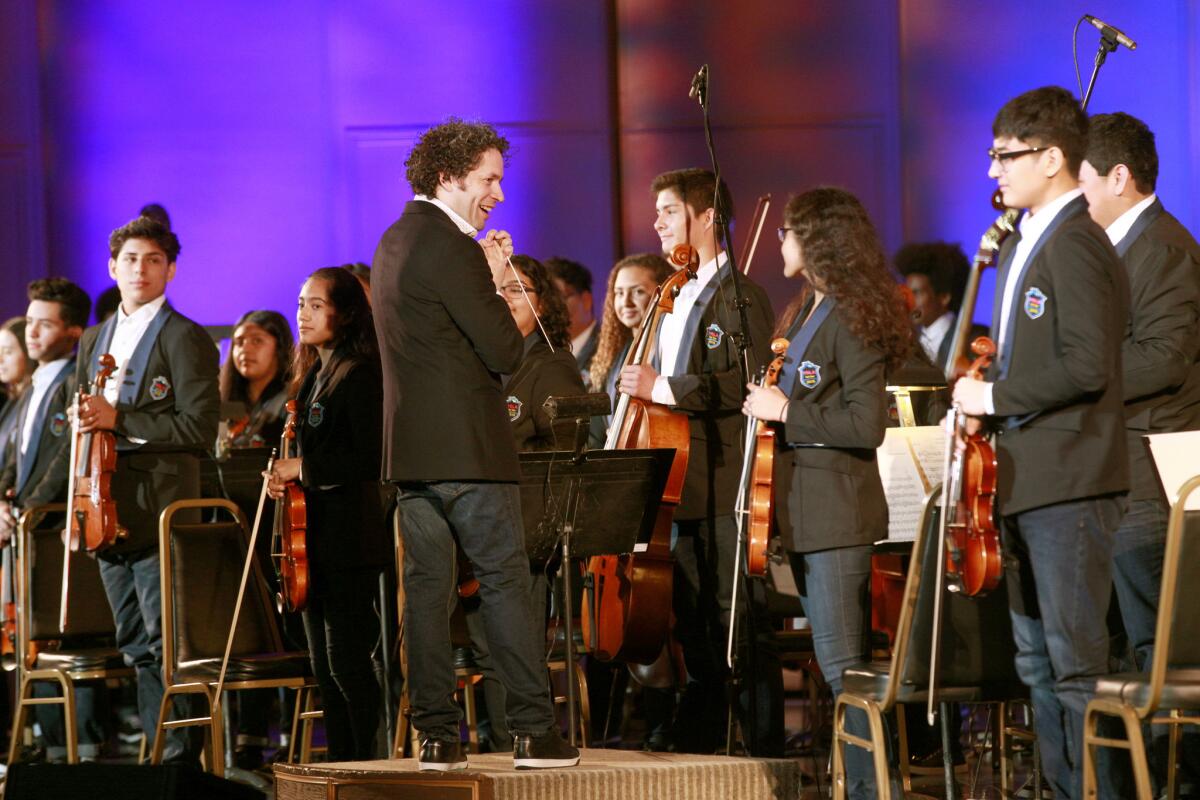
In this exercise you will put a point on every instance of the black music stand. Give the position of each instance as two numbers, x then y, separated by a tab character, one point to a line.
605	503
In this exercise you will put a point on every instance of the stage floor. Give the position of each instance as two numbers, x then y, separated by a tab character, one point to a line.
601	775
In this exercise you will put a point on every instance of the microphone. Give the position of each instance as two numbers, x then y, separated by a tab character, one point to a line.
1109	30
699	90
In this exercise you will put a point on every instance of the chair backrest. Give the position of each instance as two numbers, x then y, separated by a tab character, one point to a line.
1177	633
976	647
201	568
89	616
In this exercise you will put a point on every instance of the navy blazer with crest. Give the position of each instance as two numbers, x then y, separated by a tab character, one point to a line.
37	477
1058	400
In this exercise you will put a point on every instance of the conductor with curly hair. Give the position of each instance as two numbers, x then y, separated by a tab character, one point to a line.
446	336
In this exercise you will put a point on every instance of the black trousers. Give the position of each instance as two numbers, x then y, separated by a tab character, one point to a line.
342	624
704	570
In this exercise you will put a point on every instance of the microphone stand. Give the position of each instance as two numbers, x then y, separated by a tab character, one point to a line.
699	92
1108	44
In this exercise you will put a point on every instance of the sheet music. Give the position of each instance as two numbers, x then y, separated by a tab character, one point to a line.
1177	459
910	465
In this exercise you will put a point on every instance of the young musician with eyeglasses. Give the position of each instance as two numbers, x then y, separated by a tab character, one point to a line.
1053	396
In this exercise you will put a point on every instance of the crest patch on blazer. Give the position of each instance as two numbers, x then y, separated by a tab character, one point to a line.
713	336
316	415
809	374
1035	303
514	406
159	387
58	424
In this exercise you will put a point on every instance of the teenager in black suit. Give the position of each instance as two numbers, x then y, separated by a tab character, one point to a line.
1054	396
936	274
846	329
337	390
698	372
162	403
1160	362
446	336
57	314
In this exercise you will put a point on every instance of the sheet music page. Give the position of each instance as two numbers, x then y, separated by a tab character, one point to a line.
1177	459
911	463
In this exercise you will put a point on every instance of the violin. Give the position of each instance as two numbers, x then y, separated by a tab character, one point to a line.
8	601
762	488
974	562
985	256
91	510
289	535
627	599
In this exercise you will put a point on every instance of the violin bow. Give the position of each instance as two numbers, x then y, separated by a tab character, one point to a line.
756	226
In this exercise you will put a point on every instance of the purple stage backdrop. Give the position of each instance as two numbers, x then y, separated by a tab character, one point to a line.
275	133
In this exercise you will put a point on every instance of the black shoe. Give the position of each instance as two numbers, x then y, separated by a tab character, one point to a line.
439	756
543	752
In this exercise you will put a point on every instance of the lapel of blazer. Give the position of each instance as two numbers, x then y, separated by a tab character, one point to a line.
688	343
26	461
798	345
1139	226
135	370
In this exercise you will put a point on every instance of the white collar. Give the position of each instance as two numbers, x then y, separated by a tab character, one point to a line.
1034	225
939	326
463	225
143	314
706	272
46	373
1121	225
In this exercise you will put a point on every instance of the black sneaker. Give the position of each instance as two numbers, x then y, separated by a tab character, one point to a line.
439	756
543	752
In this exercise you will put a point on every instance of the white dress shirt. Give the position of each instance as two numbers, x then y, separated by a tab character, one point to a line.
463	225
931	337
130	330
43	376
1121	225
670	331
579	341
1032	226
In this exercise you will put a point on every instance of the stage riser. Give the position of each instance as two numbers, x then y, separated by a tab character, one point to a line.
601	775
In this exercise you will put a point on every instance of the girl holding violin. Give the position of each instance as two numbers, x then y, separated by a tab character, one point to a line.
337	387
257	372
846	328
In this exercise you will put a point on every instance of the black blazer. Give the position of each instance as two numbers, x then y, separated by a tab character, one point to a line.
445	336
586	353
179	426
339	442
47	481
712	392
974	332
831	495
1060	418
1161	351
542	374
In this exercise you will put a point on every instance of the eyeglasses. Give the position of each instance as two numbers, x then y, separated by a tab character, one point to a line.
1004	157
514	289
783	232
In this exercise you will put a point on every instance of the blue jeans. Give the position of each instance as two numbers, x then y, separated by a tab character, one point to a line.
1137	575
834	590
485	518
1059	591
132	584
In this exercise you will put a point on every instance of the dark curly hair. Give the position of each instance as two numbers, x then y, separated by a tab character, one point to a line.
1046	117
1123	139
233	385
552	309
73	303
841	250
145	228
452	150
613	334
943	263
354	339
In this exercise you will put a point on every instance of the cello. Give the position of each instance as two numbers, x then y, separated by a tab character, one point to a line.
289	536
762	471
91	521
627	599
